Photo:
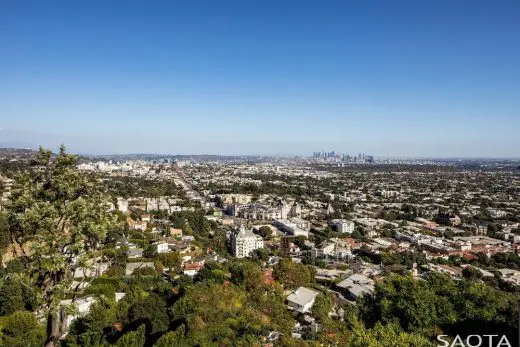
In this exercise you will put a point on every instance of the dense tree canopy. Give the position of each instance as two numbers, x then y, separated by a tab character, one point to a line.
57	217
441	304
293	275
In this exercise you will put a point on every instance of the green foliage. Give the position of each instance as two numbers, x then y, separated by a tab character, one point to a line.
293	275
106	290
322	306
194	221
21	329
14	266
261	254
247	274
144	271
173	339
132	339
92	329
119	284
212	272
265	231
439	303
300	241
116	271
4	231
227	314
471	273
170	260
152	312
16	295
11	298
389	335
403	258
137	186
61	215
502	260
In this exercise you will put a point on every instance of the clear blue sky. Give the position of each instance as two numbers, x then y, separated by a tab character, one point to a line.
392	78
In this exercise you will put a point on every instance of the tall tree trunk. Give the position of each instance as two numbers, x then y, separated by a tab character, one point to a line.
53	329
56	327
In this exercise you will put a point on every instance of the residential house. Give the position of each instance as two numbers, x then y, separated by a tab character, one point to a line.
191	269
302	299
162	247
134	253
324	250
357	285
131	267
175	232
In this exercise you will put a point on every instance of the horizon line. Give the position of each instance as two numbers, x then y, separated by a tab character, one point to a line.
306	156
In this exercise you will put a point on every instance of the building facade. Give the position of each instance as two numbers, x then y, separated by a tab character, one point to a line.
343	226
243	242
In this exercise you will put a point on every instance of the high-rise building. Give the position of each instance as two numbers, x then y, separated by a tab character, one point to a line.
244	242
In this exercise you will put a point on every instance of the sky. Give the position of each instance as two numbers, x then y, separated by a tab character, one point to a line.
389	78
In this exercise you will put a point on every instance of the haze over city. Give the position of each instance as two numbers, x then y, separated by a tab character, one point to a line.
260	173
395	79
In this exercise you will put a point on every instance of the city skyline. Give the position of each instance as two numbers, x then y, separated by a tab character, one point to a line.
403	80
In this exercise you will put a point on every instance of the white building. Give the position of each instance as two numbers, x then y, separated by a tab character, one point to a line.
8	184
81	307
496	213
343	226
389	193
291	227
162	247
235	198
122	205
302	299
243	242
326	249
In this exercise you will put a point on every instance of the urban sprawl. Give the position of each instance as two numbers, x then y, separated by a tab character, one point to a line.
329	249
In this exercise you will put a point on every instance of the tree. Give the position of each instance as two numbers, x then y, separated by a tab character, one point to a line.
11	299
265	231
410	301
441	304
260	254
300	242
227	315
356	234
387	335
292	275
152	312
90	329
132	339
471	273
21	329
247	274
173	339
4	231
144	271
170	260
56	216
103	289
322	306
